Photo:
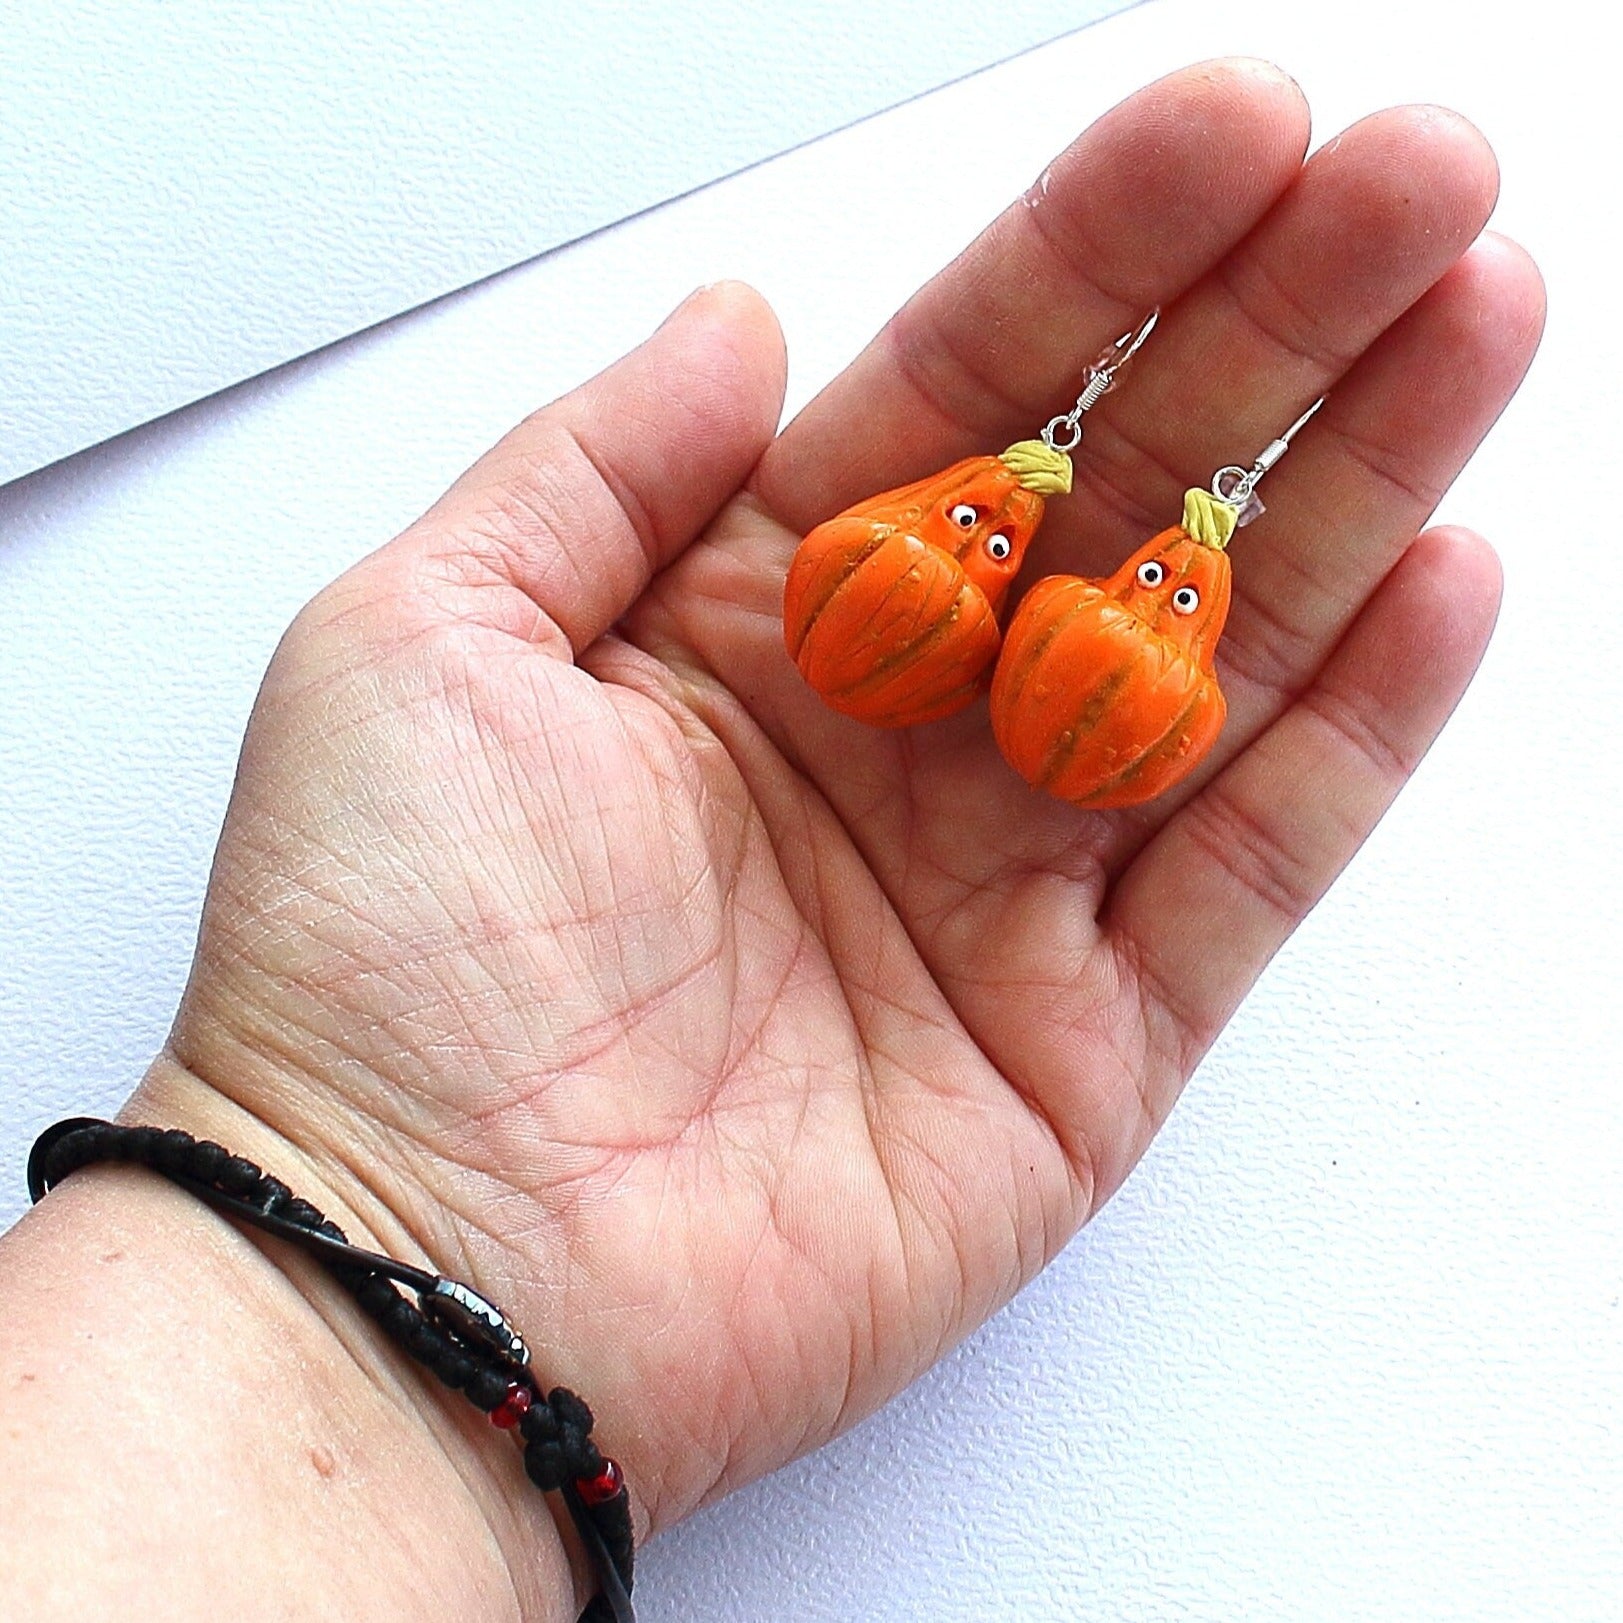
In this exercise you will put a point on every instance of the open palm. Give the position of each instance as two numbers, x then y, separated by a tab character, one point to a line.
749	1057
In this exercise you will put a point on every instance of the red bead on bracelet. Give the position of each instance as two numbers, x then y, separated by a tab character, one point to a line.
461	1336
599	1489
513	1407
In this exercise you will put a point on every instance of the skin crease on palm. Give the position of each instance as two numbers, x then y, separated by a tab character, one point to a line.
750	1057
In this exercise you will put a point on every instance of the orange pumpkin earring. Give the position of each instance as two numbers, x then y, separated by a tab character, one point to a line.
890	609
1104	693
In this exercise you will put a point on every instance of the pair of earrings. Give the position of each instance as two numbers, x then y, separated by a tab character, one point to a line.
1102	691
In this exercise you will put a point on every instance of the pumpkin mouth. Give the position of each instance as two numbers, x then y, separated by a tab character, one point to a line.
1146	618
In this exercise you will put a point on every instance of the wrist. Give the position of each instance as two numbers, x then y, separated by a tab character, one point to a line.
256	1370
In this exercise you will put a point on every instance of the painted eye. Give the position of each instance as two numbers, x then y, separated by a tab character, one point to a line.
1151	573
1186	600
999	546
964	516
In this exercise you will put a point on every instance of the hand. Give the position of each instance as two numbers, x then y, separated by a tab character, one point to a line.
749	1058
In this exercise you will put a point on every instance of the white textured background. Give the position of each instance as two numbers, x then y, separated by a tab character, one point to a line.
194	190
1349	1343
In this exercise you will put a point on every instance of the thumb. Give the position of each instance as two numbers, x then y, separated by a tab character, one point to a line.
587	498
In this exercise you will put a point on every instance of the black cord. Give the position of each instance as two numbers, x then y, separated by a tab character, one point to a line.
452	1330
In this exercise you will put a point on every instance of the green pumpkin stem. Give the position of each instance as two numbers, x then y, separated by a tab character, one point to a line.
1207	519
1039	467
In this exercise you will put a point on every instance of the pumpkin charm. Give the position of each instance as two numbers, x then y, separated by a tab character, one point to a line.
1105	694
891	608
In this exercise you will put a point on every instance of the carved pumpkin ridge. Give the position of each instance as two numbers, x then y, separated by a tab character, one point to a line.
903	627
854	562
1165	749
909	653
1090	711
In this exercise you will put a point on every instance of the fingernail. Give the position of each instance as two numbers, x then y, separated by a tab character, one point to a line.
692	298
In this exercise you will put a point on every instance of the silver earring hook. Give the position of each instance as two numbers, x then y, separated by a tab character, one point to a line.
1237	486
1101	379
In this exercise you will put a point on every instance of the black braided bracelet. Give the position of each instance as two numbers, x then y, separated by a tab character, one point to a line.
452	1329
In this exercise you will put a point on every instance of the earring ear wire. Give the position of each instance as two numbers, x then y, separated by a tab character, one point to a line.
1105	692
1237	486
1100	381
892	608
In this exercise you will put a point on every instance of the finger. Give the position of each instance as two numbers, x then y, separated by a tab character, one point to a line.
1374	220
1388	443
585	500
1213	896
1132	212
1360	483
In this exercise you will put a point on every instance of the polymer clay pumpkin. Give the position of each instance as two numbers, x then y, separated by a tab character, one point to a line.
1104	693
890	610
